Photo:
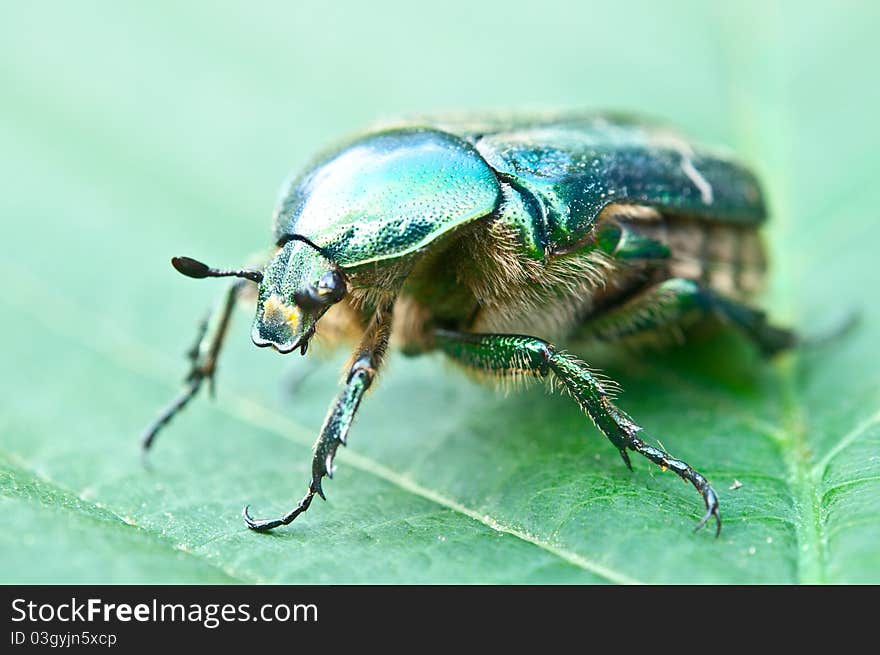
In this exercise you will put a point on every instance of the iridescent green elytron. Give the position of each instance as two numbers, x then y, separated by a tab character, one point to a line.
484	237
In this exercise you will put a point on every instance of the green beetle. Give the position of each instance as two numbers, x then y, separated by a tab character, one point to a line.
490	239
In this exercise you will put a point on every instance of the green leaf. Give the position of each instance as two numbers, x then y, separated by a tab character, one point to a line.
132	133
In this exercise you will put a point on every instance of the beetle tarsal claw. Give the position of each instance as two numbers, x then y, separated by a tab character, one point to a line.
263	525
712	509
710	513
258	525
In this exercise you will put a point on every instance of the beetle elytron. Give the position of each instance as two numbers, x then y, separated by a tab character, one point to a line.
489	237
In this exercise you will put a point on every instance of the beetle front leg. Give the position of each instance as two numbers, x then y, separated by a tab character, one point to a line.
203	361
334	432
522	355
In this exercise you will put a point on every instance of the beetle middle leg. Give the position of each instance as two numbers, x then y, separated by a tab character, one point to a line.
507	354
366	360
203	360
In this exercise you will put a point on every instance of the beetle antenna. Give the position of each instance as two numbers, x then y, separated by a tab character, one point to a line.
194	268
308	242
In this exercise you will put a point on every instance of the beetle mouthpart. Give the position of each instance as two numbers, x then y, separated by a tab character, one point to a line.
304	340
283	348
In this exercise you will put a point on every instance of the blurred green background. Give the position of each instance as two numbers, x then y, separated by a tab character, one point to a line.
130	132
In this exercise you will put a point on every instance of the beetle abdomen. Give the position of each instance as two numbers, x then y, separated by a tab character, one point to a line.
726	257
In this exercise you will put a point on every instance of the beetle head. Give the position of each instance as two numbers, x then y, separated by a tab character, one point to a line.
298	286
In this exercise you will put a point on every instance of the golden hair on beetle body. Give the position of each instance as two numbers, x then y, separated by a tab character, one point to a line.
522	295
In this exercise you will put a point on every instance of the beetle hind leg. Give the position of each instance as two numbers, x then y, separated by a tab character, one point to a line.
515	354
770	339
672	303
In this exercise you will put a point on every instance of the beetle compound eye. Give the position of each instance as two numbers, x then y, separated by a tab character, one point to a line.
331	287
328	290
